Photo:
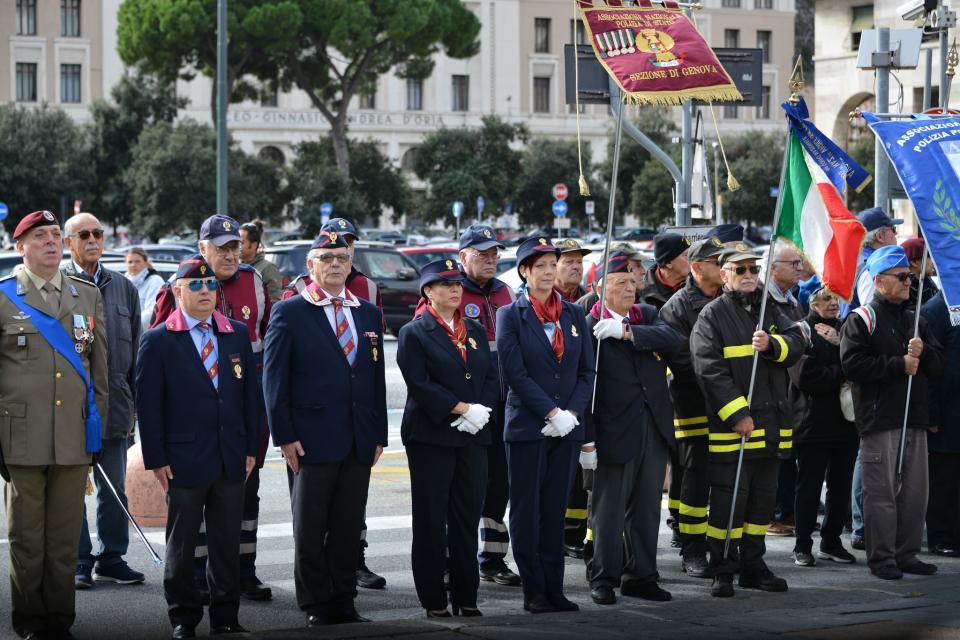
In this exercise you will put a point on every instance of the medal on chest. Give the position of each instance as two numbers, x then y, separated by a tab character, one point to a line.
82	332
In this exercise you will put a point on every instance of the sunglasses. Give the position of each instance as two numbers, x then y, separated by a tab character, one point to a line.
197	285
86	233
902	277
741	269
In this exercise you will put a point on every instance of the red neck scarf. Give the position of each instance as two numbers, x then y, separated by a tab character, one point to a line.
458	336
549	311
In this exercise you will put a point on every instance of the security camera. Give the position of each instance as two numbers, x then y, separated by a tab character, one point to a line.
915	9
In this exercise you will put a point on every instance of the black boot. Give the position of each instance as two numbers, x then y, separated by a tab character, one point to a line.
366	578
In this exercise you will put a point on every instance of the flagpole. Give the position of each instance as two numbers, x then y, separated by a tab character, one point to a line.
906	411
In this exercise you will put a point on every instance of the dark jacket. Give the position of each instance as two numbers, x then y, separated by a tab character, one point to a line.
632	375
873	362
681	312
313	394
723	361
121	309
438	378
945	388
787	304
591	298
819	376
930	289
654	290
536	382
200	431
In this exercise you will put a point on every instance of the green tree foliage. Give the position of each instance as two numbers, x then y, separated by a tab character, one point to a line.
462	164
756	160
861	148
651	197
546	162
45	160
373	185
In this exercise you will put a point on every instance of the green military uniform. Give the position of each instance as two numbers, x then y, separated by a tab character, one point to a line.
43	406
271	276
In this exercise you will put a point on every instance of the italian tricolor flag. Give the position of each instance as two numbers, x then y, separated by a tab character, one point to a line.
815	220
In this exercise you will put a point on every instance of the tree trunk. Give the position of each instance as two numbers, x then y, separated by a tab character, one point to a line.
213	100
338	134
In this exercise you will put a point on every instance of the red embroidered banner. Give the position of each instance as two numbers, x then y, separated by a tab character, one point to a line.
656	55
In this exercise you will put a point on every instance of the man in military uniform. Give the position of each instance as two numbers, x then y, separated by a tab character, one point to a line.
53	385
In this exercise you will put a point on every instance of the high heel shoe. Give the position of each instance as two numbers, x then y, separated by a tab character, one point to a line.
436	614
466	612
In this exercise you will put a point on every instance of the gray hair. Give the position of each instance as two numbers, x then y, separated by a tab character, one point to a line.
779	247
873	236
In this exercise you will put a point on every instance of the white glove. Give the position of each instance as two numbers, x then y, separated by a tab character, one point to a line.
463	425
608	328
549	430
477	415
564	422
588	460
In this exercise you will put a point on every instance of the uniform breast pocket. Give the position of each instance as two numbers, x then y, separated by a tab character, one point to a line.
21	341
123	329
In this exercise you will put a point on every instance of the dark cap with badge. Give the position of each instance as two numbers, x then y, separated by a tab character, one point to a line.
220	230
329	240
736	252
667	246
194	267
447	270
480	237
727	233
875	217
618	262
34	220
342	226
532	248
569	245
705	249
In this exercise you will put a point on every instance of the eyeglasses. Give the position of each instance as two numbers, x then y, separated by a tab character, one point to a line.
796	264
228	248
486	257
197	285
902	276
342	258
741	269
86	233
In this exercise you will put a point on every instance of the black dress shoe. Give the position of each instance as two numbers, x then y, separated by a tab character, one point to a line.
538	604
252	589
696	567
317	620
946	550
603	595
57	634
227	628
560	602
764	580
722	586
345	617
466	612
574	551
501	575
919	568
438	614
183	631
648	590
368	579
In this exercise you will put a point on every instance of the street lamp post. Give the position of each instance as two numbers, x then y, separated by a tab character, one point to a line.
222	107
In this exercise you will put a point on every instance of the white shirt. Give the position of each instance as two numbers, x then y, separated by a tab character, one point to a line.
332	314
865	287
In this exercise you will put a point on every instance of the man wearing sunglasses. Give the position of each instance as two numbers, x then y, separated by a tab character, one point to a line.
199	403
881	232
242	295
121	305
878	353
724	341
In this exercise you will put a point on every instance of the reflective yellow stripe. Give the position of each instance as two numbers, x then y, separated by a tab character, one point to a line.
589	537
783	347
738	351
689	433
673	504
577	514
683	422
733	435
695	512
786	433
755	529
732	407
726	448
693	529
721	534
786	444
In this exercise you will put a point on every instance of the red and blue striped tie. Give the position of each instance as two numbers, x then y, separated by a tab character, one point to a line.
344	333
209	354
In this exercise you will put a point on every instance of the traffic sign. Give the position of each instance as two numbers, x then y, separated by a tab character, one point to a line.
559	191
4	211
76	207
589	206
326	209
480	204
559	208
457	209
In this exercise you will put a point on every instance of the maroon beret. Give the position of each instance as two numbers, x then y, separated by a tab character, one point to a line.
34	220
913	248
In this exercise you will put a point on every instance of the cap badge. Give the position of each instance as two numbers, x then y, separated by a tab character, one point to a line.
715	241
686	241
570	244
48	216
449	264
203	269
246	312
342	223
486	233
742	246
226	225
333	236
543	241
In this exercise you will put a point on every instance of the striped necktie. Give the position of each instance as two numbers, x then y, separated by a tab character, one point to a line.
344	333
208	354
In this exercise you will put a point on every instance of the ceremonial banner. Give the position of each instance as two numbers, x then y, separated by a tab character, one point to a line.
926	157
813	216
656	55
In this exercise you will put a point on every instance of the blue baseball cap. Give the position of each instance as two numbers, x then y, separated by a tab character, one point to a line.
341	226
479	236
532	248
220	230
875	217
886	258
447	270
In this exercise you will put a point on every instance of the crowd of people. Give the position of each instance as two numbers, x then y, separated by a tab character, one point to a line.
568	403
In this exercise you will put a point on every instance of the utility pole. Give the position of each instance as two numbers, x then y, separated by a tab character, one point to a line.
882	60
222	206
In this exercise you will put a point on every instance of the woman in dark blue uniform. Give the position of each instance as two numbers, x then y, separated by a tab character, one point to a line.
452	386
547	362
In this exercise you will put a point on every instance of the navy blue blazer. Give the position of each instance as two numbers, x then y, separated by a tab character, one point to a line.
536	381
312	393
200	431
437	379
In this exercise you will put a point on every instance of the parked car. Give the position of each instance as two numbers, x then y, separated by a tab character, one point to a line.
166	252
396	275
425	254
10	259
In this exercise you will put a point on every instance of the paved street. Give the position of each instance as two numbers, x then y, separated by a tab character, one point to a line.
830	601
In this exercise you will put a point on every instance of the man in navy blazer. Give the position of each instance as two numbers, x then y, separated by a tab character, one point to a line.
199	404
325	391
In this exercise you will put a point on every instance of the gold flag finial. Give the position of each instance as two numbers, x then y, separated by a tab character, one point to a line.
953	59
796	83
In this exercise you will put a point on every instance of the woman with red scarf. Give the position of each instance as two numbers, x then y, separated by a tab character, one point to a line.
547	361
452	385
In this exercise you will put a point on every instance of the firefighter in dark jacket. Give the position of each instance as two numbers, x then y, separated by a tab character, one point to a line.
723	343
690	412
879	353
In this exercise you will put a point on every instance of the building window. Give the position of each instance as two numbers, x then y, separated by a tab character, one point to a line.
763	4
69	83
731	112
541	35
273	154
732	4
763	42
763	111
461	93
368	100
577	33
862	20
26	17
541	95
70	18
414	94
26	82
269	96
731	38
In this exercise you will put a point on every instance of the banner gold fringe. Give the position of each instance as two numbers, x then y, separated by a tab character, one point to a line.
677	98
89	489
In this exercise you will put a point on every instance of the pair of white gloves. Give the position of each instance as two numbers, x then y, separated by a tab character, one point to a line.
473	420
560	424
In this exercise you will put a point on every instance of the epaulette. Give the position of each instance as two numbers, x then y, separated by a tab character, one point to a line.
79	279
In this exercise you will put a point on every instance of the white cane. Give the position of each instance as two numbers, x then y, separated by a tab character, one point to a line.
156	558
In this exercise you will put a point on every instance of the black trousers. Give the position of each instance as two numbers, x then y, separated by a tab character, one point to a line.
676	485
575	521
328	504
814	462
943	505
786	489
446	487
494	538
220	505
694	494
248	532
756	496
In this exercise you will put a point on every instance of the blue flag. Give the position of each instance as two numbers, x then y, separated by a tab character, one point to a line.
926	156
